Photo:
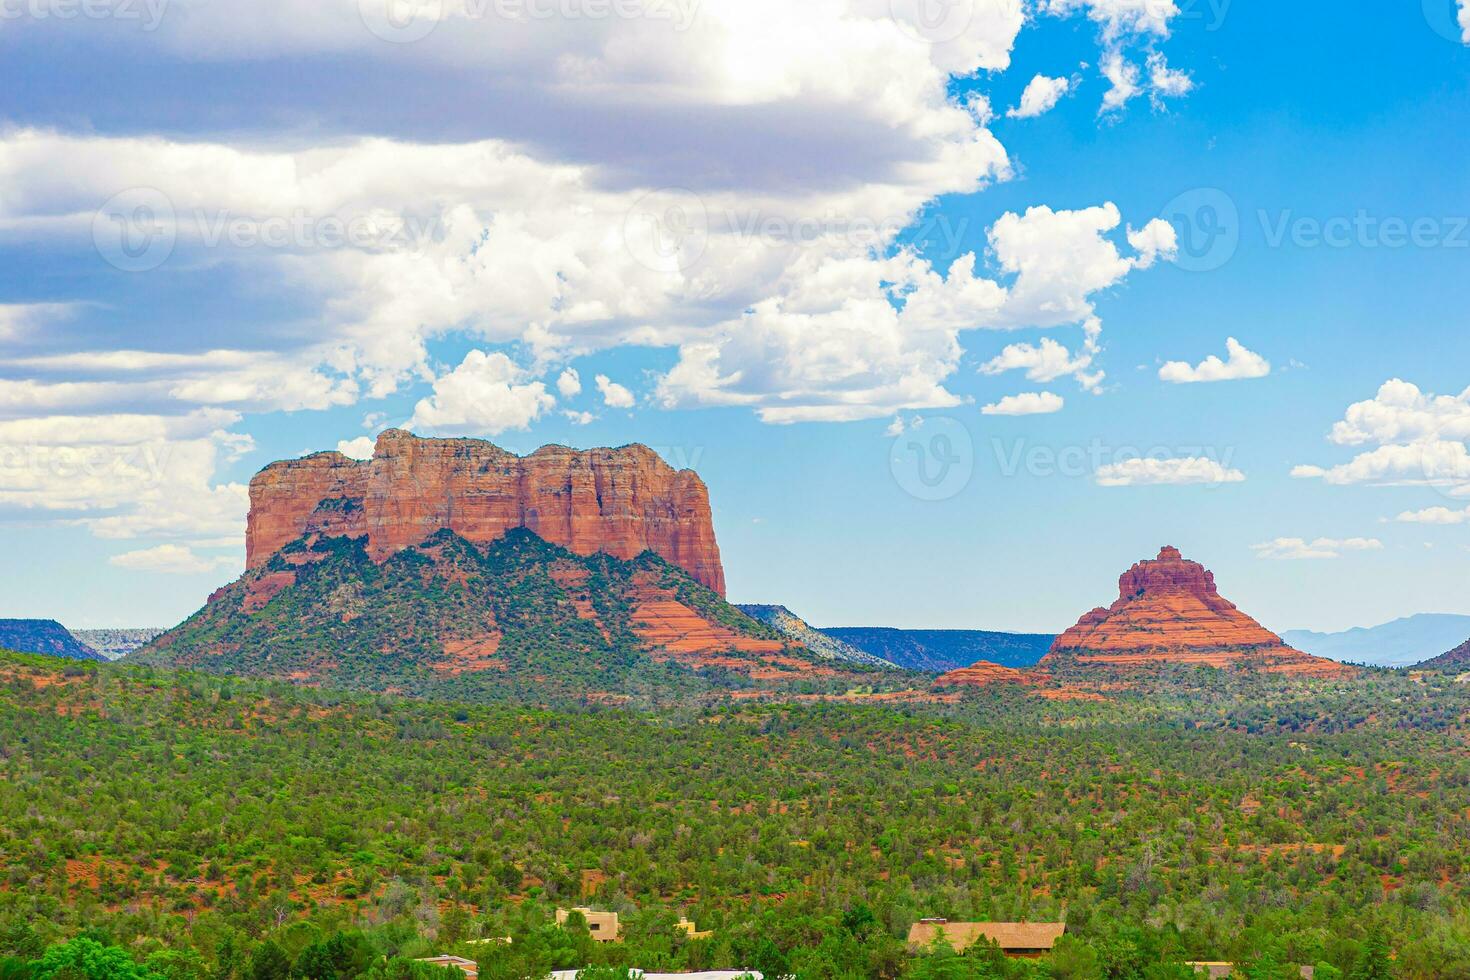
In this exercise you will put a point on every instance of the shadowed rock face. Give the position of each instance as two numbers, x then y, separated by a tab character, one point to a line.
618	501
1169	611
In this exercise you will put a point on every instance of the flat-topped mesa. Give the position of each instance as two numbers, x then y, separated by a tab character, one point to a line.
619	501
1169	611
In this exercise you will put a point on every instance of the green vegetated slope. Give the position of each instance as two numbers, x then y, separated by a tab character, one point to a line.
1457	659
521	618
228	821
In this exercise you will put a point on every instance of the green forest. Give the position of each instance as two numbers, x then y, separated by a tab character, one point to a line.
168	824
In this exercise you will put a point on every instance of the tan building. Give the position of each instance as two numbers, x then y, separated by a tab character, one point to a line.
689	929
1013	938
602	925
470	968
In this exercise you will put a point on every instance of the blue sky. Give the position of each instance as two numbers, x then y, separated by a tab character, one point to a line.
1282	176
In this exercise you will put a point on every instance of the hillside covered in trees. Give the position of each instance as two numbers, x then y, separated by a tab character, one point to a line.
226	829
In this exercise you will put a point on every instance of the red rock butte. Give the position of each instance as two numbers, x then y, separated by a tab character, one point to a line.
619	501
1169	612
983	673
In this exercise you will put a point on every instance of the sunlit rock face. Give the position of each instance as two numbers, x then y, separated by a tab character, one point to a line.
618	501
1169	611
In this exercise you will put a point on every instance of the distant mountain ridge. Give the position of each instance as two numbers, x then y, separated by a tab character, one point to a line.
116	643
940	650
1401	643
800	631
43	636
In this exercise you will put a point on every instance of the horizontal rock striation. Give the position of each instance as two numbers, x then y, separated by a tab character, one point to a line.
621	502
1169	612
983	673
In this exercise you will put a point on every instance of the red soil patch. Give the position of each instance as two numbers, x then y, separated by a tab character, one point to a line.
264	589
573	580
470	656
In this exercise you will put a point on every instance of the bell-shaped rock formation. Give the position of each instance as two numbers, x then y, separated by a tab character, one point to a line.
1169	612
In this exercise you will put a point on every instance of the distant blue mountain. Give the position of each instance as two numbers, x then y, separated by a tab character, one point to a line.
1401	643
941	650
43	636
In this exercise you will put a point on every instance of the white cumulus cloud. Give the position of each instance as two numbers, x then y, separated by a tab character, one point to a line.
569	383
614	395
1299	549
1434	515
1421	440
172	559
1239	363
1150	470
359	448
1165	82
486	393
1040	97
1027	403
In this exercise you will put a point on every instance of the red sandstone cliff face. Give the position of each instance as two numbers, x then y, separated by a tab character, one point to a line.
618	501
1169	611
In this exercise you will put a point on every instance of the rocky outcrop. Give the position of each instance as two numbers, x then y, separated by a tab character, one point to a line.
115	643
798	630
621	502
983	673
1169	612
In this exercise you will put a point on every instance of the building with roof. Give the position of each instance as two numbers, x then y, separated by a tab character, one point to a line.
1013	938
469	968
603	926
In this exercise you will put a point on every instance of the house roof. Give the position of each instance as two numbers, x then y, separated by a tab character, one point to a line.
1006	935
